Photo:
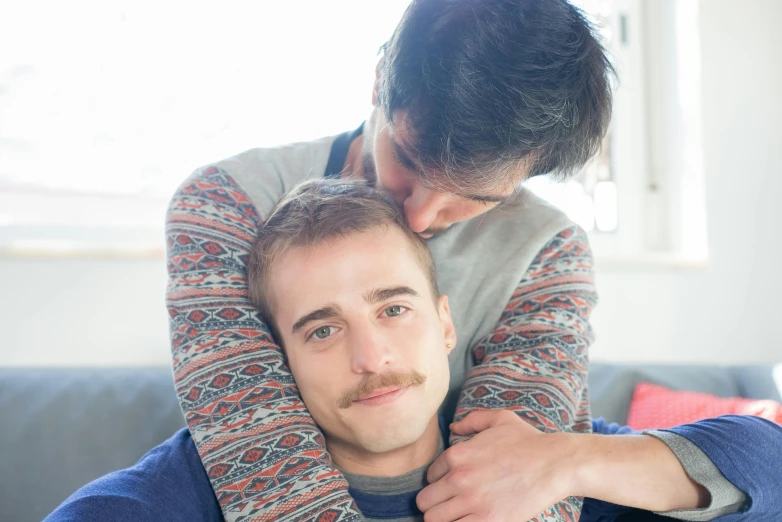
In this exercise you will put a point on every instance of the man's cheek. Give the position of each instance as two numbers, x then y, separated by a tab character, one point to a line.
305	386
319	396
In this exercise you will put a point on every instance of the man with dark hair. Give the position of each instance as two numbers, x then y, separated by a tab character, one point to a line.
352	296
470	99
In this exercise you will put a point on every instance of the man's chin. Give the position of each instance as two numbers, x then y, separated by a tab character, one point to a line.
380	430
390	437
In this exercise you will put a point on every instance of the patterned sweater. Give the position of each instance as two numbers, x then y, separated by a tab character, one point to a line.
264	455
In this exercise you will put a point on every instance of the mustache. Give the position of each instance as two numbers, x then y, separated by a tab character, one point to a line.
380	380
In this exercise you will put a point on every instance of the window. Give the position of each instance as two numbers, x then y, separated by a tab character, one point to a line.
107	106
590	197
642	198
603	198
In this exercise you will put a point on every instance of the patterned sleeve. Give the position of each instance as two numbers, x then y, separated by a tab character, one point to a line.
265	457
535	362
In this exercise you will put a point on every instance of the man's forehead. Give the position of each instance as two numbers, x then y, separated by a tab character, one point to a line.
352	266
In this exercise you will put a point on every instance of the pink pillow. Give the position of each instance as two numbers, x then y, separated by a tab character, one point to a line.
658	407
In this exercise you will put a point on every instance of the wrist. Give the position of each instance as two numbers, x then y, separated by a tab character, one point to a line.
584	450
631	470
576	467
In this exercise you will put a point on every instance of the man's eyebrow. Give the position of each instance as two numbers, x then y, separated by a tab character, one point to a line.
321	313
382	294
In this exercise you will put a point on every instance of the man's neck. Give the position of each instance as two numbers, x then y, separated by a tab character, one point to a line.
392	463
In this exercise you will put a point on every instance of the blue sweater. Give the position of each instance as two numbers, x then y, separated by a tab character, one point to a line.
170	483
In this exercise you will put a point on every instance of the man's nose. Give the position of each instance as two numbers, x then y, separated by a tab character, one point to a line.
370	353
422	207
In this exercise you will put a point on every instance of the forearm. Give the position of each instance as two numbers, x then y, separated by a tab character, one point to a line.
746	452
631	470
535	362
262	451
726	498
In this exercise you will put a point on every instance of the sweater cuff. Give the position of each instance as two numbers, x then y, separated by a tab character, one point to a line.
726	498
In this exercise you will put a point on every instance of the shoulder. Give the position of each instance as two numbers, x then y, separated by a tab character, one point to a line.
263	175
168	483
527	222
536	225
510	235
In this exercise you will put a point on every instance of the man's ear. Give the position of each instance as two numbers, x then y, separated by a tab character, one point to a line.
376	85
449	331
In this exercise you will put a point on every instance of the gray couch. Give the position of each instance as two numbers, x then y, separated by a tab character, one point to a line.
61	428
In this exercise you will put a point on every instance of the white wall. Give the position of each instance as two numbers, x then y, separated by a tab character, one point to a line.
83	312
112	312
730	312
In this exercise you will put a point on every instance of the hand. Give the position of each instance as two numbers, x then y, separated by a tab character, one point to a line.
508	471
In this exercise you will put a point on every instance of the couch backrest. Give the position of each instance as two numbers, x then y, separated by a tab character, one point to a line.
62	428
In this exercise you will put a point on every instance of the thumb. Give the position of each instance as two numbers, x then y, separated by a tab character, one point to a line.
476	422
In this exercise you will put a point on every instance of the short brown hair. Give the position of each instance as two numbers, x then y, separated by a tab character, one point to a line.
315	211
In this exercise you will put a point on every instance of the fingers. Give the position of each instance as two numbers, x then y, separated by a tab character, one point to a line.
433	495
480	420
453	509
441	466
471	518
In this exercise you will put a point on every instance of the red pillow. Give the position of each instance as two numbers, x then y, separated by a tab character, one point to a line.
658	407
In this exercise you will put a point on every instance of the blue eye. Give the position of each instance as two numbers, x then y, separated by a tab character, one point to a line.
394	311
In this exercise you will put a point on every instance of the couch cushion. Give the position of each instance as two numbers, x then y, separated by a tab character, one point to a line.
657	407
611	386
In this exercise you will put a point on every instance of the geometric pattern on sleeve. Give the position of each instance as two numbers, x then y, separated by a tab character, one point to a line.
264	455
536	360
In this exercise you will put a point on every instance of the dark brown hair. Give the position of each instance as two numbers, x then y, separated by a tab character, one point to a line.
489	85
316	211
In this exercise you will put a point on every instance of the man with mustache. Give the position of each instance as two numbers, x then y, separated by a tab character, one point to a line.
351	294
